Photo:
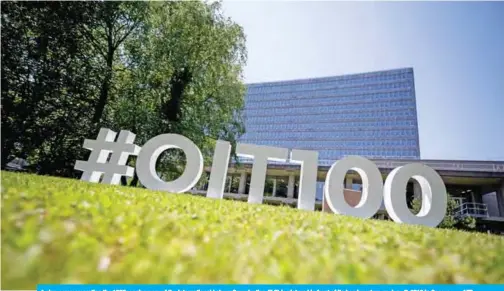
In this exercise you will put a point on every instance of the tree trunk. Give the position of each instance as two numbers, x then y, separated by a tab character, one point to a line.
134	181
104	91
179	83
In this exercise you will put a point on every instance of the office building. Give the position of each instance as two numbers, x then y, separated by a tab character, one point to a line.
370	114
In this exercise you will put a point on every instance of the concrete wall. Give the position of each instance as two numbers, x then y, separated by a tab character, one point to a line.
500	199
491	202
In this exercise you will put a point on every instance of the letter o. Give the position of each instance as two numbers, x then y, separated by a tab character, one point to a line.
434	196
372	187
149	154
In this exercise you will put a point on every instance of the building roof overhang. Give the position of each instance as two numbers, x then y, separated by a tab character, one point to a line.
452	171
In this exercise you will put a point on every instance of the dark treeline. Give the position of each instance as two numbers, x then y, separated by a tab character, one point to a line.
70	68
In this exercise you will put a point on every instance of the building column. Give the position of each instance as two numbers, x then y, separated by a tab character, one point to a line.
290	187
204	185
243	183
500	199
348	183
274	187
230	182
473	197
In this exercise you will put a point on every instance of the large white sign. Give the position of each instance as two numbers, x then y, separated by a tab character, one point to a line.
109	156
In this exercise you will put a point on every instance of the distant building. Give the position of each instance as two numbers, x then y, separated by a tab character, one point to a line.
370	114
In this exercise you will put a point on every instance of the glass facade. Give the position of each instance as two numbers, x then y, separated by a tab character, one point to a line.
370	114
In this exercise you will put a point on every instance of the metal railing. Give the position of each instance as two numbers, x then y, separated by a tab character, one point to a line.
471	209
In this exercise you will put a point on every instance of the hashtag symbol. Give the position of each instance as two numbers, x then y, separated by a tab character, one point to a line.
108	157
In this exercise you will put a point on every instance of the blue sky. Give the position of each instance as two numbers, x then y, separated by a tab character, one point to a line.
455	48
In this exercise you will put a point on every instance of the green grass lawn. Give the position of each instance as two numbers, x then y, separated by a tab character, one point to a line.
67	231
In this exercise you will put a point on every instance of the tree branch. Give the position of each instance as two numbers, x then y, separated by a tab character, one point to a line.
120	28
96	44
126	34
102	24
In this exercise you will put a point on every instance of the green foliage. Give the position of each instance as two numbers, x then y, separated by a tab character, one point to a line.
66	231
467	222
450	220
116	22
183	75
150	67
49	82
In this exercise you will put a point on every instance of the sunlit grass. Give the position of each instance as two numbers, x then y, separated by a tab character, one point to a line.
66	231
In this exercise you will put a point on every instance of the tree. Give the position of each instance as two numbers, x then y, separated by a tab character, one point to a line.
48	82
115	21
450	220
181	73
69	68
